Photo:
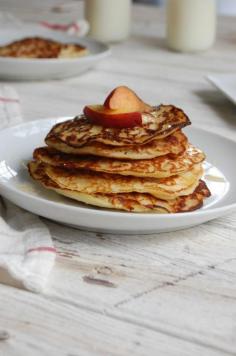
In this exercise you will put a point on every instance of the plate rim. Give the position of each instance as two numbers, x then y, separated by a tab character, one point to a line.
116	214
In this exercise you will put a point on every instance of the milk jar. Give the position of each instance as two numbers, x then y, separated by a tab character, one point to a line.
191	24
109	19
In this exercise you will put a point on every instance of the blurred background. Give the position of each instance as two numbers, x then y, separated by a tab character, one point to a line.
227	7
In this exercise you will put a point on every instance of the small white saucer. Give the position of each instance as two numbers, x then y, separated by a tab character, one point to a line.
226	83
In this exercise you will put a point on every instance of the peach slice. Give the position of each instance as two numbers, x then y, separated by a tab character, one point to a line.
125	99
100	115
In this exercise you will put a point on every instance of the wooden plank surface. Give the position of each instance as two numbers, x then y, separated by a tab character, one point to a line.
167	294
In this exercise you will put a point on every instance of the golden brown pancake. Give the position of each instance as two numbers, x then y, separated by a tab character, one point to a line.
135	202
93	182
174	144
161	122
36	47
160	167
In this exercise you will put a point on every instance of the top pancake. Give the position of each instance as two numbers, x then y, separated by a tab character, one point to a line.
161	122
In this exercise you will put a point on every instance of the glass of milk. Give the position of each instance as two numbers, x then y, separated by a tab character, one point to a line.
109	20
191	24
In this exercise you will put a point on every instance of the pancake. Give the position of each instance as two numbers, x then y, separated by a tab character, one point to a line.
93	182
161	122
134	202
37	47
174	144
160	167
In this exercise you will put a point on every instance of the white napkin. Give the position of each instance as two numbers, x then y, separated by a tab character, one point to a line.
27	253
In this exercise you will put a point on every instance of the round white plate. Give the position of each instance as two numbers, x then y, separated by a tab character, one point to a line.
16	147
46	69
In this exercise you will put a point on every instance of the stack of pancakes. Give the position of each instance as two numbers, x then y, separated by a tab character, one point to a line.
148	168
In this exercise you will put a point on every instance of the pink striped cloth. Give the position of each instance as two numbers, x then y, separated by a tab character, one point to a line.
78	28
27	253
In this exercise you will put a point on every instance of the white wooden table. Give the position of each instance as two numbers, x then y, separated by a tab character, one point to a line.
166	294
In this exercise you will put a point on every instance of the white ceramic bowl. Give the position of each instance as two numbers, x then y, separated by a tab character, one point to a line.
45	69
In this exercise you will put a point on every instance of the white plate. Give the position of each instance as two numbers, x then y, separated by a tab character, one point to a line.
16	147
45	69
226	83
